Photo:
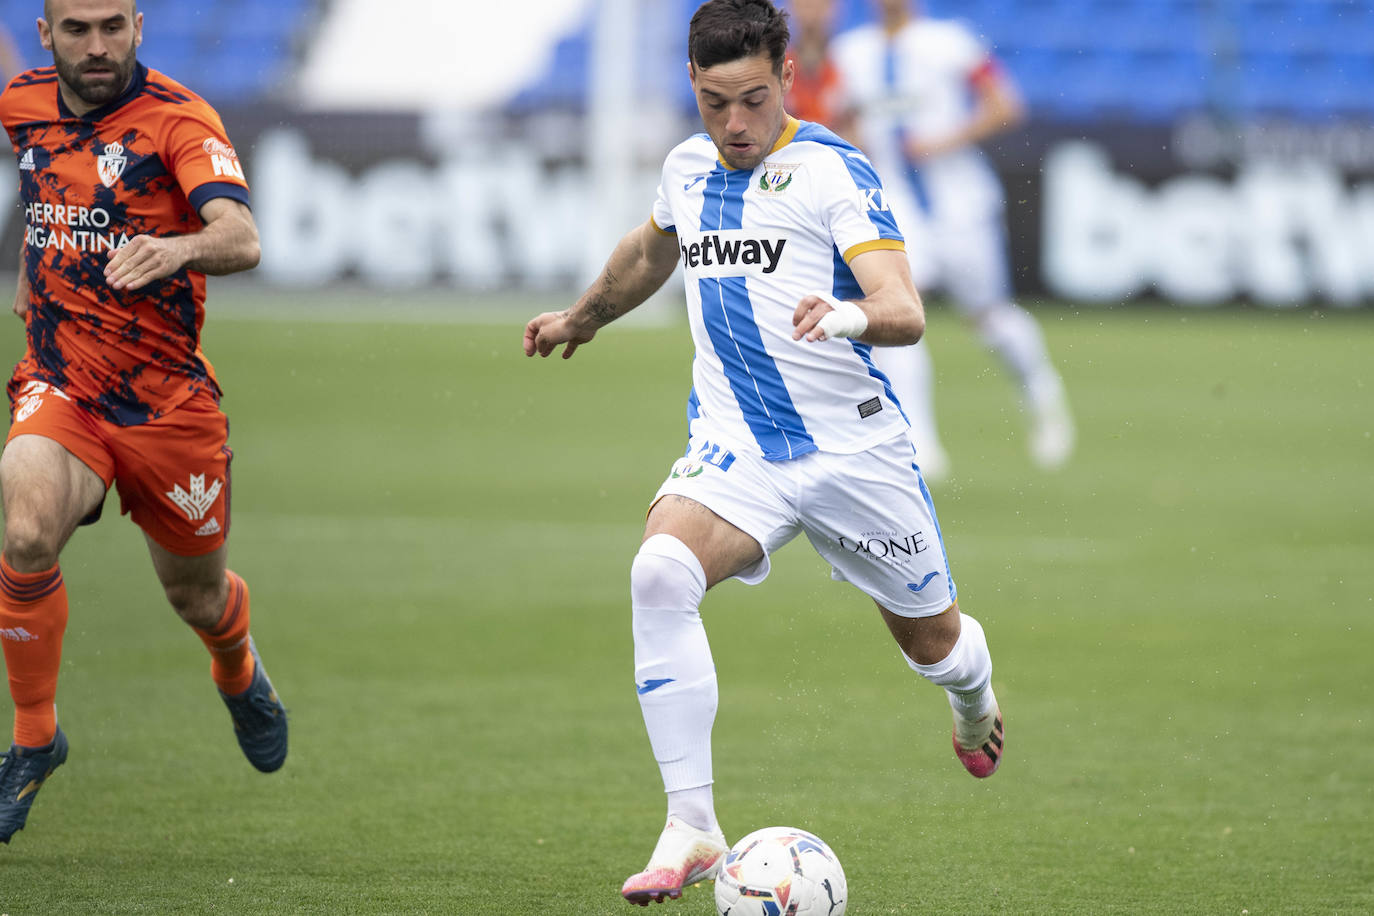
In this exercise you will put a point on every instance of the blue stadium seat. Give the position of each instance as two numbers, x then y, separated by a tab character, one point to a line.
1165	84
1145	60
233	50
563	84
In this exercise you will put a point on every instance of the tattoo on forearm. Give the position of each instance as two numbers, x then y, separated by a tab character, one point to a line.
601	311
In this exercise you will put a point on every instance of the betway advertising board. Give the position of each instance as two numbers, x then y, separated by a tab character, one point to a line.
1201	213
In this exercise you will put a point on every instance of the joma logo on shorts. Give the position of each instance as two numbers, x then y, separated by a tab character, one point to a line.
721	254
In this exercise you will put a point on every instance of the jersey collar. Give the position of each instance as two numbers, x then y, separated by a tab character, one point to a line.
789	131
132	91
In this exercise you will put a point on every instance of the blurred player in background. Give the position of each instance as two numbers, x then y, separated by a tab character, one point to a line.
132	194
924	93
816	94
794	276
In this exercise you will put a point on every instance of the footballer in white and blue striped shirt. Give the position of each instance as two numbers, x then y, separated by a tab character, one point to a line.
795	270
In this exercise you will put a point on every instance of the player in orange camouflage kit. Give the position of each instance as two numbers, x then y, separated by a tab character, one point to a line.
132	193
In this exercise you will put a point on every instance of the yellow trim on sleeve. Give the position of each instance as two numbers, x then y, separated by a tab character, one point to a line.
875	245
659	229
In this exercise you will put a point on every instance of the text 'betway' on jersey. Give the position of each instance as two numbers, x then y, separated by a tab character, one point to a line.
732	253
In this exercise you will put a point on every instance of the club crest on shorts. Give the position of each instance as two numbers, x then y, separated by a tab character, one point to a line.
196	501
110	164
686	467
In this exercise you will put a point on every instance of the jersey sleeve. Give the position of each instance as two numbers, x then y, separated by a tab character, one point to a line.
852	204
972	58
199	154
662	214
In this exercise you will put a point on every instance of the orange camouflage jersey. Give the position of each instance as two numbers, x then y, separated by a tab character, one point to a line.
143	164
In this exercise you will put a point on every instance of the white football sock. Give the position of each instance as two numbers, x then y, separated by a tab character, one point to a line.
694	806
675	675
1015	336
966	675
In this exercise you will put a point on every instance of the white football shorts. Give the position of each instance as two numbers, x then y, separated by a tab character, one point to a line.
868	514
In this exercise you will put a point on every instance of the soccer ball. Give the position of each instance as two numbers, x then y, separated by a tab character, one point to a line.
781	871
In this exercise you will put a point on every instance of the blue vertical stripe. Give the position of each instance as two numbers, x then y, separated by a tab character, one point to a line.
693	411
845	285
865	353
728	315
930	504
911	175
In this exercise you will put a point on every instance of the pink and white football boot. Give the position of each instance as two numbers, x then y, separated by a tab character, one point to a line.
684	855
981	757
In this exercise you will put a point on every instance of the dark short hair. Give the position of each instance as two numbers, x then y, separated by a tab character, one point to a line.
726	30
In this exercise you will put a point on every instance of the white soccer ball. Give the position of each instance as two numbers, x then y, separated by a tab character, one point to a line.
781	871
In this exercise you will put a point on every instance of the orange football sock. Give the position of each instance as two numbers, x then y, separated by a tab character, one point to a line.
231	664
33	618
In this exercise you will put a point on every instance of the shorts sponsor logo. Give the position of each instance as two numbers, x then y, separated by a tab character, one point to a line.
196	501
880	545
209	528
110	164
17	634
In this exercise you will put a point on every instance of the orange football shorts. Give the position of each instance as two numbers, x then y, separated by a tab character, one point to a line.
172	473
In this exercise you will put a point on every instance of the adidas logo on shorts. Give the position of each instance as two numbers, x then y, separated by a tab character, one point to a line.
209	528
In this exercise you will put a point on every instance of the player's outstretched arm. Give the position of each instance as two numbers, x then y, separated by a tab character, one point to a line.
889	315
641	262
227	244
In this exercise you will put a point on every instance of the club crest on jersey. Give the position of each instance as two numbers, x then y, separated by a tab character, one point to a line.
776	178
110	164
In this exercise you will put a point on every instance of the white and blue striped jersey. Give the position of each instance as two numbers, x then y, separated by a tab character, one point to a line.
752	245
917	83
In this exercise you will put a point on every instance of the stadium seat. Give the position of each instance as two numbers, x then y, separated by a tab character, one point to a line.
231	50
1144	60
1165	84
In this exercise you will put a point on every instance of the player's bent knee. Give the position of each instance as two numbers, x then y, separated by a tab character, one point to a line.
30	545
666	575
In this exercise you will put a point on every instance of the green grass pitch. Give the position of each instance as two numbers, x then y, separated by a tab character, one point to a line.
437	534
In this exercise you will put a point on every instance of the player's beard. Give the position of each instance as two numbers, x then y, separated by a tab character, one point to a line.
97	93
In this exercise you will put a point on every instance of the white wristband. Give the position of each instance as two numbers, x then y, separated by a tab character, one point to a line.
848	320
